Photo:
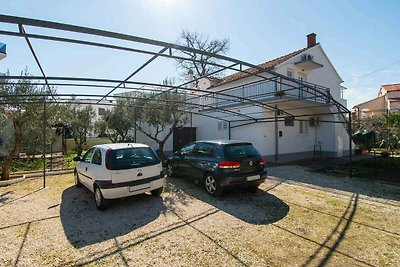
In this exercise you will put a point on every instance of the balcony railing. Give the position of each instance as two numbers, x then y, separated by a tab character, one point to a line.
265	90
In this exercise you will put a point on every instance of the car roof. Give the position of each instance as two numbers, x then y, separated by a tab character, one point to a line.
224	142
114	146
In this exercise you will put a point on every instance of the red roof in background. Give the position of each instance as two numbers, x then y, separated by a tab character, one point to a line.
266	65
391	87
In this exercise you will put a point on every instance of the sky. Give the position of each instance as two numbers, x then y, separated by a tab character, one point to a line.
360	37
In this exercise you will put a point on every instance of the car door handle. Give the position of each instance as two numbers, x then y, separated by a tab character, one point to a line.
202	162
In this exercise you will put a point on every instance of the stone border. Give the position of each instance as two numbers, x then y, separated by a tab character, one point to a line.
33	175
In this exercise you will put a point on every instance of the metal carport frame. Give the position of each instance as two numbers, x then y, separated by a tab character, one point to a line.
167	50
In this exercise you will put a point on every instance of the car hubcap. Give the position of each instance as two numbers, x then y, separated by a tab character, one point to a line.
211	184
97	196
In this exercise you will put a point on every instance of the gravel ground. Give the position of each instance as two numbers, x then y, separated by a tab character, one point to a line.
297	218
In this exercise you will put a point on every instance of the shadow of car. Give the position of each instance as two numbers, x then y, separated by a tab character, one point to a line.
85	225
258	207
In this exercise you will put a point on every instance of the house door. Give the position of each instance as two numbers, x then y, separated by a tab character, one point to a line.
183	136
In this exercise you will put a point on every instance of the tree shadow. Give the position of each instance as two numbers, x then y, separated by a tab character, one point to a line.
84	225
4	197
345	223
254	208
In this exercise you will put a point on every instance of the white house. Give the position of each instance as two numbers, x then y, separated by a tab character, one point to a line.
388	100
313	128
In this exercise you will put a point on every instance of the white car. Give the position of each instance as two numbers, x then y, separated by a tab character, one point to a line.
119	170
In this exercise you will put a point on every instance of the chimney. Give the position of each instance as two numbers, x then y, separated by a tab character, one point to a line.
311	40
190	78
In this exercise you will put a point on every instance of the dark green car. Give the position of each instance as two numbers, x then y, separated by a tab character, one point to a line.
219	164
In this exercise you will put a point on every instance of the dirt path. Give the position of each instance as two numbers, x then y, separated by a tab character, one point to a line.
297	218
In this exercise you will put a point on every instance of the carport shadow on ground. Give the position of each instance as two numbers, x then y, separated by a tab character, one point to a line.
84	225
352	185
254	208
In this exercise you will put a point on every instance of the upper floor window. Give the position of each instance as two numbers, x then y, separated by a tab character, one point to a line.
102	111
290	73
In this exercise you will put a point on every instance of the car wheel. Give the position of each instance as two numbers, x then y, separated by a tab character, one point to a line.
157	192
77	181
170	170
101	202
252	189
212	186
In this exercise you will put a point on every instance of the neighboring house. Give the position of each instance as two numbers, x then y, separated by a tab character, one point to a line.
309	133
3	51
388	100
98	108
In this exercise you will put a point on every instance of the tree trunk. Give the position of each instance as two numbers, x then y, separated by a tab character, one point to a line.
5	168
161	151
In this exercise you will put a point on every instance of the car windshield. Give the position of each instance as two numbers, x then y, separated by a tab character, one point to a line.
243	150
129	158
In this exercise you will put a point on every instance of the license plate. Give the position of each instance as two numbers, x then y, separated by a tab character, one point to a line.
253	177
139	187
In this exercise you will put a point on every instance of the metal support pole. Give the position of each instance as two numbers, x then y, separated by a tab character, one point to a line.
350	148
135	130
229	130
191	127
44	142
276	134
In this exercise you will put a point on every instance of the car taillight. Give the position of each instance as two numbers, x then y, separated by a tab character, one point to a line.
108	159
226	164
261	161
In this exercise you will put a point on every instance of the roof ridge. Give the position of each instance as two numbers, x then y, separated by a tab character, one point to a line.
266	65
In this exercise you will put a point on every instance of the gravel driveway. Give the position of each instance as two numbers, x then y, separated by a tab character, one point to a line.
297	218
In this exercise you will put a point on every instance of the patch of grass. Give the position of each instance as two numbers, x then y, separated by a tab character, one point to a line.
27	164
379	168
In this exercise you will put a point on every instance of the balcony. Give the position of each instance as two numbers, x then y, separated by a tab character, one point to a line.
274	89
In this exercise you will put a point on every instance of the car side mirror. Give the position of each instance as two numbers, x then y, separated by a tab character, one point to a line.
77	158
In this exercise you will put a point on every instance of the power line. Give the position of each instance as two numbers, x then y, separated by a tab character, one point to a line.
375	71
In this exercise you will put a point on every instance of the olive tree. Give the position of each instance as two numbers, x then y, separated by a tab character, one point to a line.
79	122
118	123
21	102
159	115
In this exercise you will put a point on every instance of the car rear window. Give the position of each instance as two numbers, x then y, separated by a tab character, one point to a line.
129	158
243	150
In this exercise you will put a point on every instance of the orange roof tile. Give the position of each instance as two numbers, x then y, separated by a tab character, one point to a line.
266	65
391	87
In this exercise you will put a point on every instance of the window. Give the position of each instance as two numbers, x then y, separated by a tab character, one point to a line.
102	111
204	150
303	127
222	125
290	73
289	121
129	158
187	150
244	150
97	157
88	155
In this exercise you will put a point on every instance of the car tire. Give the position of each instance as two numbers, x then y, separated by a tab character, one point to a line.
212	186
252	189
170	170
77	181
101	202
157	192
